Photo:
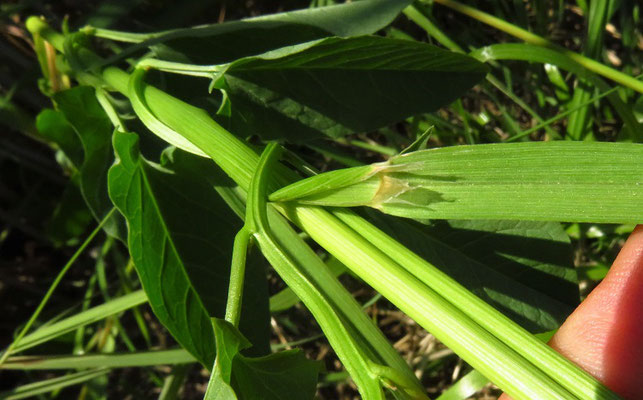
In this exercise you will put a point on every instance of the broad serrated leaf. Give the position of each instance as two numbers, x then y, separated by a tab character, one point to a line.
84	113
180	238
235	39
283	375
522	268
338	86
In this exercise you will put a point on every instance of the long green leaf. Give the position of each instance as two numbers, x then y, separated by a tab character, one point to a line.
338	86
555	181
51	385
49	332
180	236
224	42
114	360
522	268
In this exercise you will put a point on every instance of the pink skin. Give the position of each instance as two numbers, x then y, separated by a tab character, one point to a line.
604	335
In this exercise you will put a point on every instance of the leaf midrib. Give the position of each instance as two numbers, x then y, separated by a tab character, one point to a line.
169	238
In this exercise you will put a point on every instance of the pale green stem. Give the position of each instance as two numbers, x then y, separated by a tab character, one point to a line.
54	285
544	357
119	36
203	71
109	110
237	276
504	366
531	38
353	357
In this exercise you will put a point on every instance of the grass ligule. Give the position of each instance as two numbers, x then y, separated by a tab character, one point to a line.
557	181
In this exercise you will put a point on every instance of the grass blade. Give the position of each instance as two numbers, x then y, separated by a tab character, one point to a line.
465	387
555	181
50	385
578	125
527	52
529	37
53	287
74	322
113	360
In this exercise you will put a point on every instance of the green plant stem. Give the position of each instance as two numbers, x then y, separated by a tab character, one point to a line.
504	366
560	116
109	110
563	371
119	36
493	358
237	275
203	71
53	286
351	354
531	38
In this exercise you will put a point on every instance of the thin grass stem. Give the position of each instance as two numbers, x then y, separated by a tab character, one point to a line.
54	285
531	38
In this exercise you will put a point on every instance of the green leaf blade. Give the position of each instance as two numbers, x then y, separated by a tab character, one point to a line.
538	181
337	86
288	374
179	239
557	181
235	39
522	268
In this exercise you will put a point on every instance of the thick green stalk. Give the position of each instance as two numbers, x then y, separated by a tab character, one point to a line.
531	38
504	366
568	374
237	275
351	354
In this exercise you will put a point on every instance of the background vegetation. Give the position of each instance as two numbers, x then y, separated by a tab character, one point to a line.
44	218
